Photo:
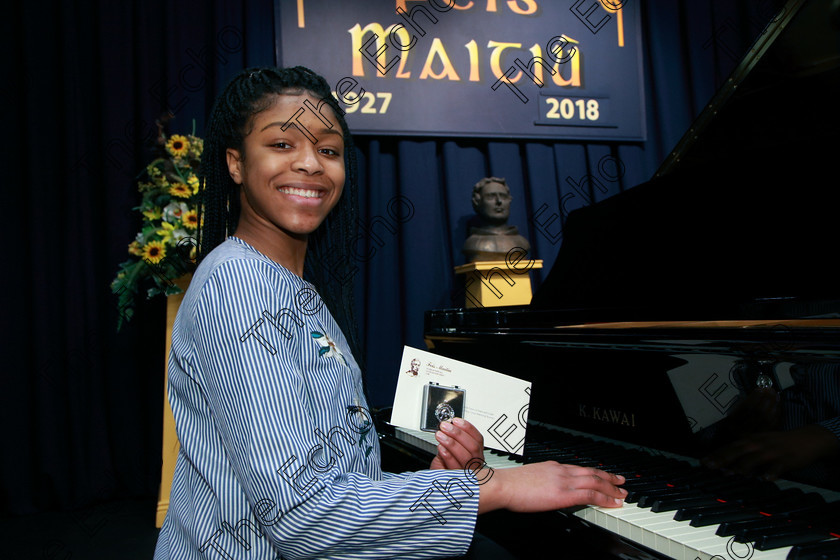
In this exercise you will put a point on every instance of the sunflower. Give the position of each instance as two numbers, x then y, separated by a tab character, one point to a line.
190	219
180	190
154	252
178	145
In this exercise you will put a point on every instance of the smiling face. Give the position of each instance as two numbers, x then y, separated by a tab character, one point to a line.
288	184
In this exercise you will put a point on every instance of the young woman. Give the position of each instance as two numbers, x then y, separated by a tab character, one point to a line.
278	453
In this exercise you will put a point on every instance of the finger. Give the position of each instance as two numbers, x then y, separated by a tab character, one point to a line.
600	483
466	438
588	496
468	428
454	454
575	470
460	444
574	478
447	461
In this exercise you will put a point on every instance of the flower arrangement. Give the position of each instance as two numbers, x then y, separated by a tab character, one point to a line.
165	247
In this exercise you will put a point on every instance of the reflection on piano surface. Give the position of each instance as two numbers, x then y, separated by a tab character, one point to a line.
689	313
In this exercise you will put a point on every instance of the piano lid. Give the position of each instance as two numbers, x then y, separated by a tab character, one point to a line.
783	91
741	220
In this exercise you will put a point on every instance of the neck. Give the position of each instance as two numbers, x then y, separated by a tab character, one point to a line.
285	249
499	226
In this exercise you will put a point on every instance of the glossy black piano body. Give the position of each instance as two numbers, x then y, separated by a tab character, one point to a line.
722	265
612	379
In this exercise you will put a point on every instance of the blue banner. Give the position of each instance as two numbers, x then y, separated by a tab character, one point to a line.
559	69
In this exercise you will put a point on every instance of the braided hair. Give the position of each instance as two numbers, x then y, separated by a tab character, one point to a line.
249	93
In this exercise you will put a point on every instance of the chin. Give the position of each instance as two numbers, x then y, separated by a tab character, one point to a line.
302	230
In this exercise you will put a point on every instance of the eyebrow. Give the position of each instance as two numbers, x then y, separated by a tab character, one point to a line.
324	130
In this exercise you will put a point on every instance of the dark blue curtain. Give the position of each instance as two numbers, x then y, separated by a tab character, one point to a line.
82	403
689	49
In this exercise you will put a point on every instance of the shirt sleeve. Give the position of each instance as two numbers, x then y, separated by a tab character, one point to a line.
832	425
292	469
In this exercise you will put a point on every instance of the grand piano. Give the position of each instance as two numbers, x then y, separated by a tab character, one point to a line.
670	307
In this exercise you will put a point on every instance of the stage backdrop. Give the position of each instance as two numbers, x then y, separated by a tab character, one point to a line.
515	68
80	403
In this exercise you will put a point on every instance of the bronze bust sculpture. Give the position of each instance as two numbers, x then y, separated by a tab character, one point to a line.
492	238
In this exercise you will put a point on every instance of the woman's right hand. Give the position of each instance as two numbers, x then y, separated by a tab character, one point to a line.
548	486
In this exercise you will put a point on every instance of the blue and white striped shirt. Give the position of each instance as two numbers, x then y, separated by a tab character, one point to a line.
276	460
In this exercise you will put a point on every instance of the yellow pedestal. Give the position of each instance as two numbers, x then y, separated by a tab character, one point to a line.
171	445
497	283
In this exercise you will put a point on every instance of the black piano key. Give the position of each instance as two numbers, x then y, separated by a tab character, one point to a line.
715	518
751	496
774	527
655	496
741	486
781	504
673	504
632	496
769	542
798	511
816	550
687	513
585	463
730	528
635	492
708	481
626	473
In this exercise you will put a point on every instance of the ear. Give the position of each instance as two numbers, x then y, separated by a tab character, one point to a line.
234	163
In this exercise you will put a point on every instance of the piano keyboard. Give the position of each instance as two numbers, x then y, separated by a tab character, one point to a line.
683	511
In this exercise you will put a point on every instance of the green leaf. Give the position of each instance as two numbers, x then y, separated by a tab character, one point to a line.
173	289
323	350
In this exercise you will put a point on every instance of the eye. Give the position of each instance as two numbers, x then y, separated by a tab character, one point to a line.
329	152
280	145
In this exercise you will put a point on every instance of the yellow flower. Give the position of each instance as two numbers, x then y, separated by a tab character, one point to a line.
154	252
190	219
193	181
152	170
180	190
196	146
134	249
166	231
153	214
178	145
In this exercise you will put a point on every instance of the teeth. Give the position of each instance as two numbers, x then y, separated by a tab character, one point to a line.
305	193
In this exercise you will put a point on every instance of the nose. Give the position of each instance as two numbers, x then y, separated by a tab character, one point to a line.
307	160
